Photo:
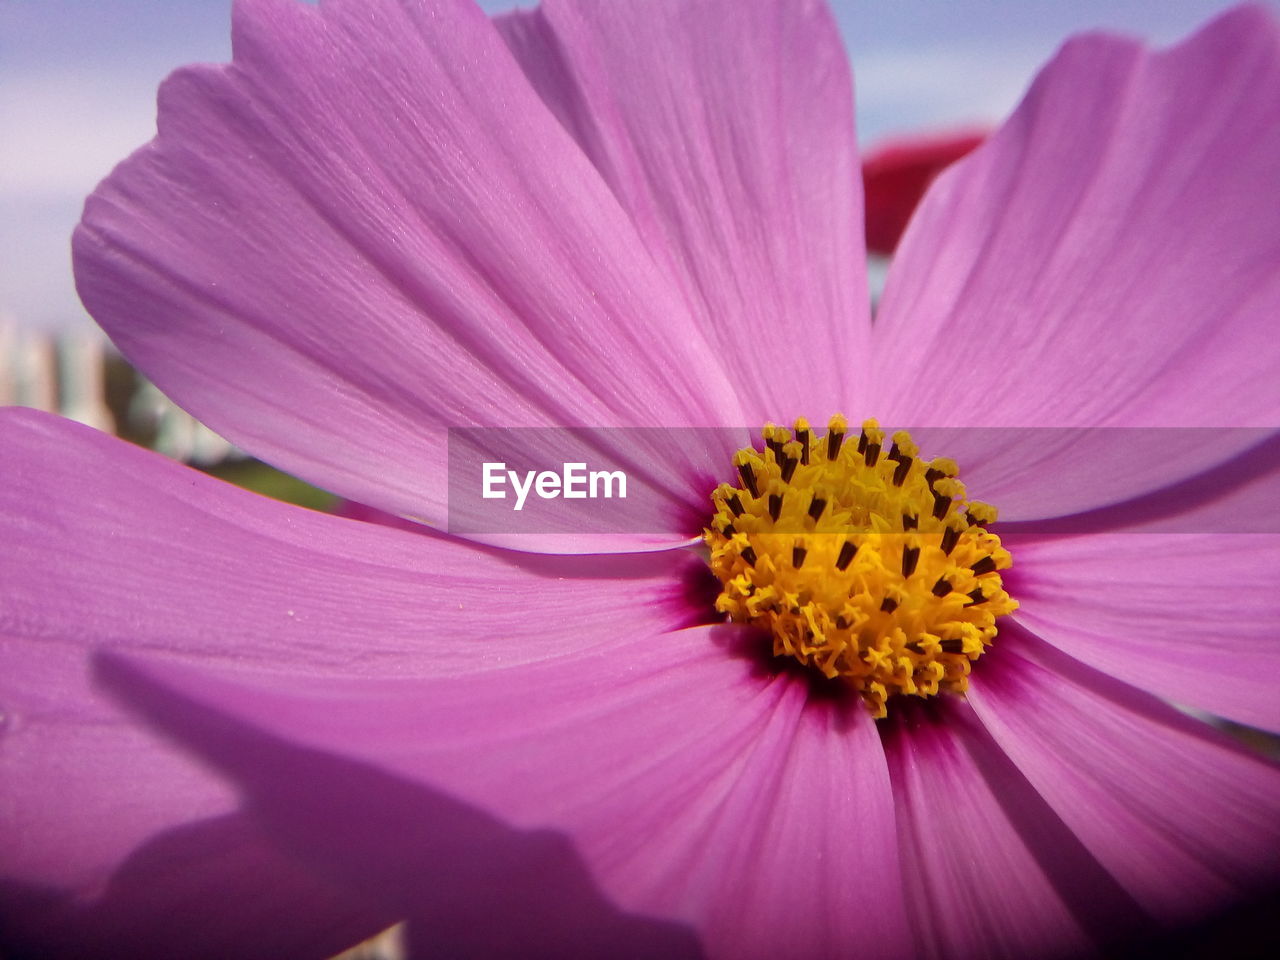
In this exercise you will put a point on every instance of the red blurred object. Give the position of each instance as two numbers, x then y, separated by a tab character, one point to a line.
895	175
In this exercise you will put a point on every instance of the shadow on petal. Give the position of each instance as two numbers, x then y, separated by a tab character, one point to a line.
468	884
214	888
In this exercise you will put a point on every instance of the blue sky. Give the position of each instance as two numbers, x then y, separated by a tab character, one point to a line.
78	80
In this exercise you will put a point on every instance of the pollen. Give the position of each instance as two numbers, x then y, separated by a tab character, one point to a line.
863	560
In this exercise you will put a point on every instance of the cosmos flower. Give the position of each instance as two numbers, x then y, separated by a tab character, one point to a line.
234	727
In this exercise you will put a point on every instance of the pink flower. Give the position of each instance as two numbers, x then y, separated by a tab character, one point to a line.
234	727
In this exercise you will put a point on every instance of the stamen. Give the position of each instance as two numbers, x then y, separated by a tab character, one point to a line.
910	557
773	441
775	506
748	474
802	437
869	442
790	460
903	468
883	574
985	565
835	435
981	514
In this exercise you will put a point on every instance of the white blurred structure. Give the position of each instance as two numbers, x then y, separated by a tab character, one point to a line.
177	433
67	372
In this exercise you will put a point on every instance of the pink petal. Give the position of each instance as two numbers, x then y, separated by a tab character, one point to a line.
695	786
368	228
1107	258
989	870
1236	496
107	546
1190	616
1037	474
725	129
1184	818
112	544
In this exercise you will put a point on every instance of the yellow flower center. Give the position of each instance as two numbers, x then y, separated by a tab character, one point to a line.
865	563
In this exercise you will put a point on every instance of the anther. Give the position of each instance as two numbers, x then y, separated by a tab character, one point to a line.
835	435
888	605
904	448
748	478
976	597
734	504
910	557
798	553
749	555
942	587
950	537
952	645
816	506
846	555
910	522
985	565
940	467
904	467
789	465
802	435
980	514
775	506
